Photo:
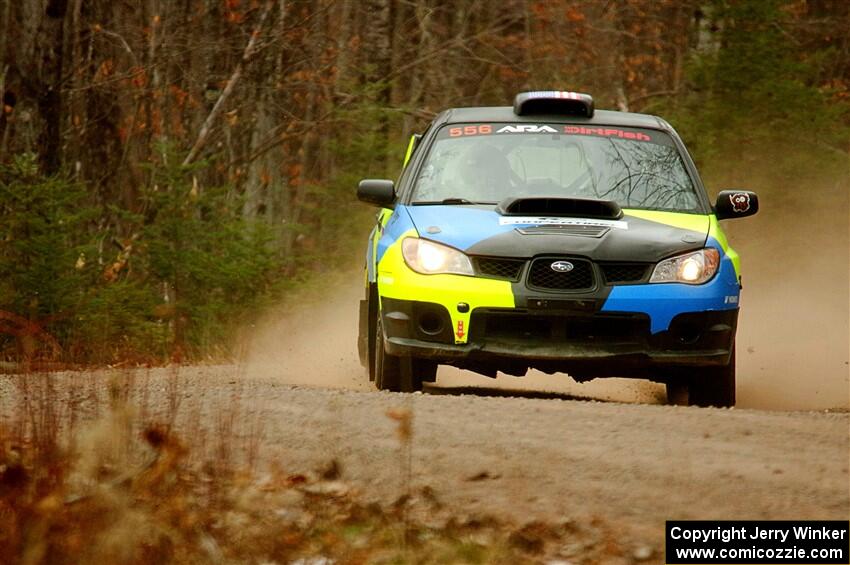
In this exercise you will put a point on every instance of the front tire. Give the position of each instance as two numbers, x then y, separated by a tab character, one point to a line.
372	316
387	368
715	386
399	374
708	386
678	392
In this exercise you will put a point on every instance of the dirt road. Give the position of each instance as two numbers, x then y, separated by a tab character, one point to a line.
554	457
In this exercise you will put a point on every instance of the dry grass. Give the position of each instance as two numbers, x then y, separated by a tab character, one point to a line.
91	472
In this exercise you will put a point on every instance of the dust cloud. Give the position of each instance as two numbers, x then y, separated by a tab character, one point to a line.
313	342
793	336
794	331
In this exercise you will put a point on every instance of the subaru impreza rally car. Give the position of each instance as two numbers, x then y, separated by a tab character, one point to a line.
552	236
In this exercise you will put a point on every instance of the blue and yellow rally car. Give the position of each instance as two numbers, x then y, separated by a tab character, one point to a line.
551	236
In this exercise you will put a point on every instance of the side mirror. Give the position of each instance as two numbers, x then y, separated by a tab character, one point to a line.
376	192
736	204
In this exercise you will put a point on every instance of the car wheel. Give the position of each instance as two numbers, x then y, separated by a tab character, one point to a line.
411	376
372	313
678	392
715	386
708	386
399	374
425	370
387	369
416	372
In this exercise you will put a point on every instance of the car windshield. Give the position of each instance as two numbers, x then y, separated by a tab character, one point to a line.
486	163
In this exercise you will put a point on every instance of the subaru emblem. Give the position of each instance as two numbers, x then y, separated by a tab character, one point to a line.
561	266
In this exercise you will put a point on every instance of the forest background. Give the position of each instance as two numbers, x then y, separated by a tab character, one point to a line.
168	168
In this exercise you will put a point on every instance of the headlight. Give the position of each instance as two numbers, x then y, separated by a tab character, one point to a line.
431	258
692	268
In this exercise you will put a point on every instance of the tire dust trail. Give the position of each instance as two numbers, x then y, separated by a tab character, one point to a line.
313	344
794	330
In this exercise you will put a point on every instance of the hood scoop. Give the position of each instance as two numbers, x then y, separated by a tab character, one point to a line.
560	207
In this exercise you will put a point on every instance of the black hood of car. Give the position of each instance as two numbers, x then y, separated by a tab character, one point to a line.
496	231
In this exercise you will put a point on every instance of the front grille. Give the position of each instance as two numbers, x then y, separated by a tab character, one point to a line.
615	273
542	276
519	326
575	230
499	268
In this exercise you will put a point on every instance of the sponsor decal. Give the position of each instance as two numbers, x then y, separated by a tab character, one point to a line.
488	129
482	129
527	128
459	331
740	202
543	221
561	266
607	132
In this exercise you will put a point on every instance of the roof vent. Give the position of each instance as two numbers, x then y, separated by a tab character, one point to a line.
553	102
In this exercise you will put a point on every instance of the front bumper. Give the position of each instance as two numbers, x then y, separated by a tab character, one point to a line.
581	342
490	325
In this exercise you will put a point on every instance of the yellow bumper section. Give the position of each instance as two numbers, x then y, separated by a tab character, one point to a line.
397	280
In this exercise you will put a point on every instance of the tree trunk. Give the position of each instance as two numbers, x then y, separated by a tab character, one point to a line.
378	43
51	45
228	89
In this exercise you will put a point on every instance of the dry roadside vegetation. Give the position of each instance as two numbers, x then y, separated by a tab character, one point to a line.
96	475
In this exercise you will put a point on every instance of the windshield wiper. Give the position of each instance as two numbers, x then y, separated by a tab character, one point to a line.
448	201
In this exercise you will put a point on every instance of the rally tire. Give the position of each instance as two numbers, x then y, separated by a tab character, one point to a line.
715	386
425	370
372	309
678	393
706	386
387	368
398	374
410	380
416	372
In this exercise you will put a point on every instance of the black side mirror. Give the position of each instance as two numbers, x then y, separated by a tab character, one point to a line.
736	204
377	192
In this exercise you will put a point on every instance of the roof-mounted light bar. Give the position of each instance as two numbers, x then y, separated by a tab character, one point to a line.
553	102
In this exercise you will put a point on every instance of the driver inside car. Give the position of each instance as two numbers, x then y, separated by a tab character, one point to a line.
486	174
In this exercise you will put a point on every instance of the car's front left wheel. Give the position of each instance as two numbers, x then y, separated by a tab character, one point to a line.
715	386
398	374
707	386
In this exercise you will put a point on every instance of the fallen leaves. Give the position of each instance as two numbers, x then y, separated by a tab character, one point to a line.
482	476
404	418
